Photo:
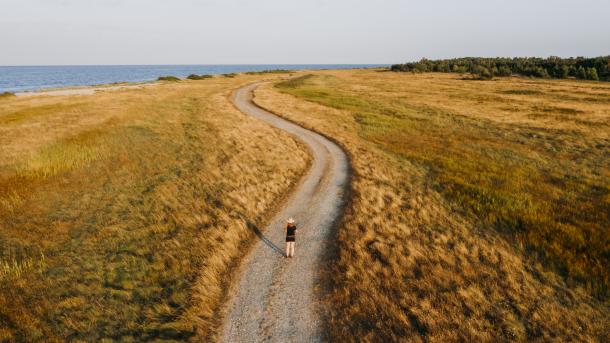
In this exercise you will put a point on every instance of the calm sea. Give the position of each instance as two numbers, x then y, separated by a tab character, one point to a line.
31	78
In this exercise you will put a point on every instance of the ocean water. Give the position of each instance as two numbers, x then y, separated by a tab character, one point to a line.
32	78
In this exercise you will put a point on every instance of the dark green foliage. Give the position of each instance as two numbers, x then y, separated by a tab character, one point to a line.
270	71
168	78
199	77
581	73
597	68
7	95
229	75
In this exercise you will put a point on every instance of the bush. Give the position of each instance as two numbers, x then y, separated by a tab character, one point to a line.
229	75
269	71
7	95
168	78
199	77
482	73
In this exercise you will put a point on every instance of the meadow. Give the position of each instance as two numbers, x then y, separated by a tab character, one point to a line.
123	213
479	211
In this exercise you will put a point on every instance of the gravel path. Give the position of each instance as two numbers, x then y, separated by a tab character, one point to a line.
274	297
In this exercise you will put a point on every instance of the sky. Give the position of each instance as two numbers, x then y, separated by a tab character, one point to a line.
80	32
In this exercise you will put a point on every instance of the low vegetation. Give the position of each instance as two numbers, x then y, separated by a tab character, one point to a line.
199	77
168	78
6	95
270	71
485	68
229	75
479	210
121	213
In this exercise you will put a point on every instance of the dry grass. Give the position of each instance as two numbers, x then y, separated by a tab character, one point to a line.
479	211
121	213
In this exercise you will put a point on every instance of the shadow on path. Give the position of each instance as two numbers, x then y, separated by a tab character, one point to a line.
265	240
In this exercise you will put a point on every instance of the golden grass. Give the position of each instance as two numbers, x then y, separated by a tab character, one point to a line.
122	213
479	211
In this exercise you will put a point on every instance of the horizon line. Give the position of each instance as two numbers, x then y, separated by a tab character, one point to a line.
190	64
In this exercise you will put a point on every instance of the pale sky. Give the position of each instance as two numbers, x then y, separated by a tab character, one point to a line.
49	32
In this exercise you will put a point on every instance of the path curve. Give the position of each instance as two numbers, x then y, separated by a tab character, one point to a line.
274	298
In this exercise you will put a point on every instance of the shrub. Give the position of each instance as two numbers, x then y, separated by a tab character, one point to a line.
168	78
7	95
199	77
269	71
482	73
229	75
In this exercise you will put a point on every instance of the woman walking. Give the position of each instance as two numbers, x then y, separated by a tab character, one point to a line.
291	233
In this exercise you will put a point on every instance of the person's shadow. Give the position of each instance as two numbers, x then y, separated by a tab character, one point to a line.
265	240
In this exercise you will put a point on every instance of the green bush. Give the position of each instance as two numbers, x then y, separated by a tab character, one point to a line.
199	77
168	78
270	71
229	75
7	95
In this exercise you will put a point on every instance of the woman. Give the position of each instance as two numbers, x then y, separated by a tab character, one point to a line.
291	232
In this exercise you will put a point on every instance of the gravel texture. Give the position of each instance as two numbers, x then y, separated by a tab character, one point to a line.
275	298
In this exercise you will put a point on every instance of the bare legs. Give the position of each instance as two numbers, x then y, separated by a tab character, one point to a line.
289	249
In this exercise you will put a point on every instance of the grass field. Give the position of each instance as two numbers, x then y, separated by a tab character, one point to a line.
480	209
121	213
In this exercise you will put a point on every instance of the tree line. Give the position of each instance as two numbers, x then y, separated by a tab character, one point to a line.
597	68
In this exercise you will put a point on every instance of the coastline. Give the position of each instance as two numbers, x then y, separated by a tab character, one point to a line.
34	79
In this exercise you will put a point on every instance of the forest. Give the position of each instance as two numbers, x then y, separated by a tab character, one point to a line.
597	68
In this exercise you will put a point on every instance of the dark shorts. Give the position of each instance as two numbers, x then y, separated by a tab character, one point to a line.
290	238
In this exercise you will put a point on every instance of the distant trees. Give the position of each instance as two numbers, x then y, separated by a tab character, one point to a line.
597	68
592	74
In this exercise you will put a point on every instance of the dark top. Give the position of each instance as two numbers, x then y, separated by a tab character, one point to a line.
291	230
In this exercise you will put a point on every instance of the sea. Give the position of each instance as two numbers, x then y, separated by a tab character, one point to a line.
18	79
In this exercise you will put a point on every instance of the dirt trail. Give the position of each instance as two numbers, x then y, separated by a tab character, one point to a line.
274	298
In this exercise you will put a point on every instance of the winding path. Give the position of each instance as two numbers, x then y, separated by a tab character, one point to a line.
275	297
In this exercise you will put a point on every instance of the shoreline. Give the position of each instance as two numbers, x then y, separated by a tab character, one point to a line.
214	70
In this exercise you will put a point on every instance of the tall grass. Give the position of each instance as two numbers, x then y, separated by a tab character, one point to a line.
14	269
70	154
471	218
139	202
563	213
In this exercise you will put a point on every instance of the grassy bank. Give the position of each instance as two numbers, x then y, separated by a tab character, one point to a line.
122	212
480	208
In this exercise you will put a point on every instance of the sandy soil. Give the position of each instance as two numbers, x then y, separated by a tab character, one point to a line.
275	297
